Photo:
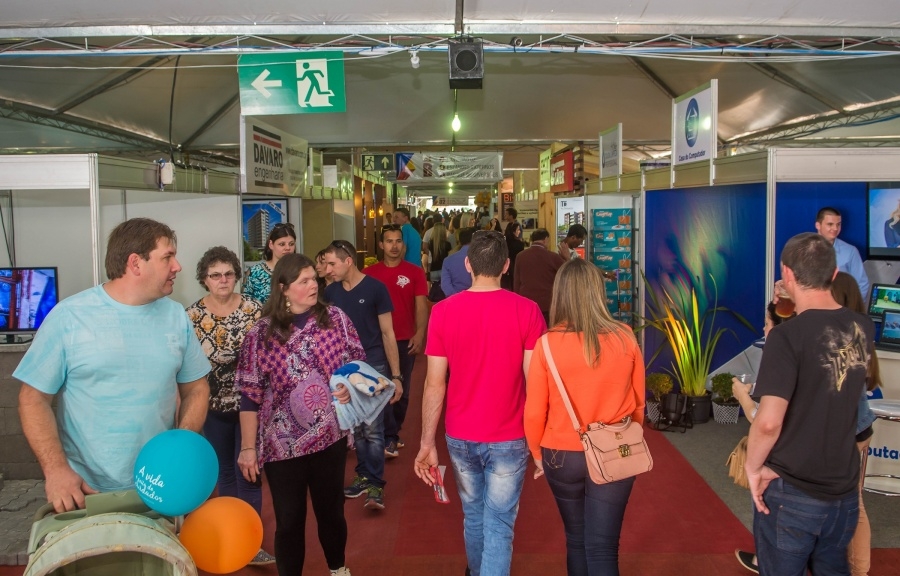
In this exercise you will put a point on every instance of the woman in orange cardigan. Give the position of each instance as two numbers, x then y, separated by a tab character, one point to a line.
602	369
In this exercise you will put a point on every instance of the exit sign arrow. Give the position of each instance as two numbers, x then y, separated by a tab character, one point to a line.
378	162
262	85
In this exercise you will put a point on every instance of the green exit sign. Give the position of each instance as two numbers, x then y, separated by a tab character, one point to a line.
297	83
378	162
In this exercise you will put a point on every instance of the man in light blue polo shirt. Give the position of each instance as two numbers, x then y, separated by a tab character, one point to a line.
412	242
118	357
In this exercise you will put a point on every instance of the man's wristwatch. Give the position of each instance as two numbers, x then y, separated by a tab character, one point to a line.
397	377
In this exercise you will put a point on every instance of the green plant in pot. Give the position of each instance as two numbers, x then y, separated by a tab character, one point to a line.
721	388
659	384
725	406
692	335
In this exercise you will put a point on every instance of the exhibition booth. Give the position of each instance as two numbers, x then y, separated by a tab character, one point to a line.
719	228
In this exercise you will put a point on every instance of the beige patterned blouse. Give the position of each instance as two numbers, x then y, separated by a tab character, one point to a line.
221	339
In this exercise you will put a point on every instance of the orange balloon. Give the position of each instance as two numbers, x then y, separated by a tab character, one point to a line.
223	535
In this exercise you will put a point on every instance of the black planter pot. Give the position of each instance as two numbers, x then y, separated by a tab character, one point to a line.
701	406
673	412
672	406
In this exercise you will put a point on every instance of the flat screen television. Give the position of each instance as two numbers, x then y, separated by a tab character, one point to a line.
884	220
26	297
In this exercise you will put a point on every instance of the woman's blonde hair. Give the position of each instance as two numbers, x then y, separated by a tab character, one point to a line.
438	238
579	305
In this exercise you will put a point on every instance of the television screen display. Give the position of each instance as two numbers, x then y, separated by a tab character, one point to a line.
884	220
890	330
26	297
884	297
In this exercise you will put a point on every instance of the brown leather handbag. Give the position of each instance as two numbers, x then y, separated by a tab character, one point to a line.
613	451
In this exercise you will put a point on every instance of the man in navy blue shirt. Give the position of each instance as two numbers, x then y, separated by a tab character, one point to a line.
367	303
454	276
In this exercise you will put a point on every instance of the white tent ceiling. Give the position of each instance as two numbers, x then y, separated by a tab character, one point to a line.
147	77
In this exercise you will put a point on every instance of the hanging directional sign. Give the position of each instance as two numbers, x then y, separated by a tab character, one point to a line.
378	162
297	83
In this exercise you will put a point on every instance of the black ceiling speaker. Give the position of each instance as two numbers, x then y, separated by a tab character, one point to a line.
466	63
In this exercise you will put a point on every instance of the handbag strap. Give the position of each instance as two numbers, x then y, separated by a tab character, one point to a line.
562	390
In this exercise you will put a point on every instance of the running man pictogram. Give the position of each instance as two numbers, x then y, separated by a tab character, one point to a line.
316	95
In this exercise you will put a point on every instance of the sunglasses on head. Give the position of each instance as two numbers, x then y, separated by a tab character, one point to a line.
345	246
283	226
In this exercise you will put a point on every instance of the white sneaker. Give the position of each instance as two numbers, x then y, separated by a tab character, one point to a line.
343	571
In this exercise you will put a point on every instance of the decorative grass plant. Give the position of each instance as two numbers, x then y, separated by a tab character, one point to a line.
691	334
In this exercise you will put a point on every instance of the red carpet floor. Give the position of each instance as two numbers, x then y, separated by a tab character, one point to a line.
675	524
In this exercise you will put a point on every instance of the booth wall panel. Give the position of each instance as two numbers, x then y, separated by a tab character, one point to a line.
610	184
692	174
41	172
836	164
631	182
53	228
659	179
742	169
317	228
200	221
692	233
344	222
796	204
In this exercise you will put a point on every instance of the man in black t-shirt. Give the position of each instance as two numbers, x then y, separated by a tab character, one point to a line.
802	460
367	303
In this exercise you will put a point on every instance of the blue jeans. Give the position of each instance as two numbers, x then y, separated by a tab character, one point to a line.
591	513
395	414
801	532
368	439
223	430
489	477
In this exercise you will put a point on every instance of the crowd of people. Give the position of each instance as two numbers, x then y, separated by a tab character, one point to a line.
253	372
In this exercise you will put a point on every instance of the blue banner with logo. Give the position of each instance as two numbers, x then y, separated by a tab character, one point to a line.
694	119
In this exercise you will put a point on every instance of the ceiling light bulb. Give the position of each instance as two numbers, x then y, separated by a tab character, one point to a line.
414	58
450	185
456	124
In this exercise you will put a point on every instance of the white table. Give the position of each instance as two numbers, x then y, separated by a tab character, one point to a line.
883	467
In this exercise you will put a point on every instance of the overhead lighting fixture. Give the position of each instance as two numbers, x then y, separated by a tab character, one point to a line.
414	58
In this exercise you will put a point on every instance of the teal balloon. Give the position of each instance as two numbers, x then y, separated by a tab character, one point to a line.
176	472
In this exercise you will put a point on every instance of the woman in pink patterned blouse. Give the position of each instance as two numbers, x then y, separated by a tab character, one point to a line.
283	374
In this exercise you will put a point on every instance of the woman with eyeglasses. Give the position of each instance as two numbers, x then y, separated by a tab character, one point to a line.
221	319
282	240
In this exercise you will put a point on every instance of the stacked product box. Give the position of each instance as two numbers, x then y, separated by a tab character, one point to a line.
611	237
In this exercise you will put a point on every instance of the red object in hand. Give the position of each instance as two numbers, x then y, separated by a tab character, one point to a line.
440	494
